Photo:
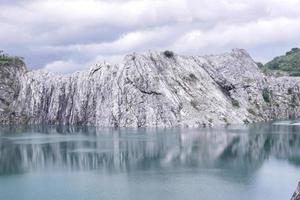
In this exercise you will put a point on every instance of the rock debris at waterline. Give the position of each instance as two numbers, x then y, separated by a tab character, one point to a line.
152	90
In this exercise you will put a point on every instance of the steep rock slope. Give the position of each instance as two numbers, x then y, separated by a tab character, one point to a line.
11	75
156	89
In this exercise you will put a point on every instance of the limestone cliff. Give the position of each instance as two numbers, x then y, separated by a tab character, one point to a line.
156	89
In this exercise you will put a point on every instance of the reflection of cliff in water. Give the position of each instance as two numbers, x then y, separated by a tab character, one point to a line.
74	148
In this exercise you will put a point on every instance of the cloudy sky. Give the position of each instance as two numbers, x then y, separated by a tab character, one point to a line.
65	36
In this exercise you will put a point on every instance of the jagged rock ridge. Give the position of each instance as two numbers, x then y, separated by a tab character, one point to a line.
150	90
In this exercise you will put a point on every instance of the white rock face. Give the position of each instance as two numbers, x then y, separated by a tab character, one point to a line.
154	90
296	195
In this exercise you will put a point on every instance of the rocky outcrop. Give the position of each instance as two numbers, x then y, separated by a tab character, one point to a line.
152	90
296	195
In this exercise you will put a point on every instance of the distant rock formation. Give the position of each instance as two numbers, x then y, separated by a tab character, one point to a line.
152	90
296	195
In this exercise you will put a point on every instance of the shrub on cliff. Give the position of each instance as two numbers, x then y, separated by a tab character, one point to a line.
6	59
169	54
266	95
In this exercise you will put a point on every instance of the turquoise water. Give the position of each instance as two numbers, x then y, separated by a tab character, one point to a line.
261	161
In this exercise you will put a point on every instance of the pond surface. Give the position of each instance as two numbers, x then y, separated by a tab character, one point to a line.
260	162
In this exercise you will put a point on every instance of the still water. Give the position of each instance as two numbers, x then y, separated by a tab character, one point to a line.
258	162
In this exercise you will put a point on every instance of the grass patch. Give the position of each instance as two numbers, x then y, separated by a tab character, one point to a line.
266	94
251	111
235	103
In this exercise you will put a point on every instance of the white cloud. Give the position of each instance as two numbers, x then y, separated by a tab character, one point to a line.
72	32
246	35
69	66
63	67
131	41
